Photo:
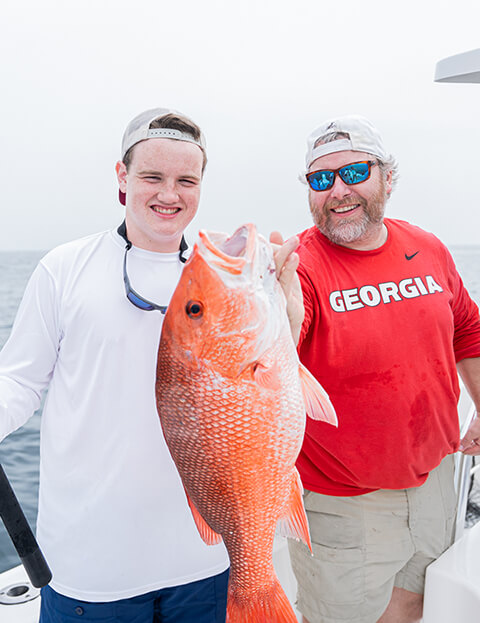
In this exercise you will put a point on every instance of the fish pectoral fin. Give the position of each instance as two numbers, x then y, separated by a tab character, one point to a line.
266	374
294	524
208	535
317	402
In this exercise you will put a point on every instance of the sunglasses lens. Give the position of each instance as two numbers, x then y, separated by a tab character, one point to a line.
138	302
321	180
355	173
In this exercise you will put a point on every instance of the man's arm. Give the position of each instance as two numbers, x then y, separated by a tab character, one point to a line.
469	370
286	263
28	357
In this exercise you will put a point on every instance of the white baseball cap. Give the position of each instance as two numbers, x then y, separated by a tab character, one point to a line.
139	130
362	136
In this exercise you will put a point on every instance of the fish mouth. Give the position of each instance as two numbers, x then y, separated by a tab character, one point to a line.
230	253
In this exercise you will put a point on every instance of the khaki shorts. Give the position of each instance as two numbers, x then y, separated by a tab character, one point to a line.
365	545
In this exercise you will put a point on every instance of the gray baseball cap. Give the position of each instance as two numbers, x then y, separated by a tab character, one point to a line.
138	130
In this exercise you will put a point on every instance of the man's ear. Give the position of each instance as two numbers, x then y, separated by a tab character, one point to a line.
121	171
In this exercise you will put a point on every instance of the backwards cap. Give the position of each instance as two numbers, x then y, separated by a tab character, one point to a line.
139	130
363	136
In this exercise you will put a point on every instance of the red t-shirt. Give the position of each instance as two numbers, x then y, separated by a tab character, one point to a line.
382	332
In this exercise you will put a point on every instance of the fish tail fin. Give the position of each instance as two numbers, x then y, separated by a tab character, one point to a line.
317	402
271	607
294	523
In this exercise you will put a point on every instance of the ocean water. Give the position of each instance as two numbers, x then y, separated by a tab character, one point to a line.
19	452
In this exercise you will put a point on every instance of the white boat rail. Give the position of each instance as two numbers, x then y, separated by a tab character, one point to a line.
463	475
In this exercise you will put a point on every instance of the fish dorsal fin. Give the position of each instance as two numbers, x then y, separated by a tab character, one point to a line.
317	402
294	523
208	535
266	374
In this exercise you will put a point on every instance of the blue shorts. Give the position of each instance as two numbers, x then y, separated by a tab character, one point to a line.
204	601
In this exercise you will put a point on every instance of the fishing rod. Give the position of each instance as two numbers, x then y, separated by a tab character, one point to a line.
21	535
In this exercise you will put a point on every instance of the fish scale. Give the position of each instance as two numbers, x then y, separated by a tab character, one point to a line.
230	399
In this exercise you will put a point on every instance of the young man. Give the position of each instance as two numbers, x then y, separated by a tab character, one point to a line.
113	520
387	322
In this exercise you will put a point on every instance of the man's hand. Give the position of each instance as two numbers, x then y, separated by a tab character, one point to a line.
286	263
470	444
469	370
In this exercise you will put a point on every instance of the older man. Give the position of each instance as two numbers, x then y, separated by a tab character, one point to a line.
387	323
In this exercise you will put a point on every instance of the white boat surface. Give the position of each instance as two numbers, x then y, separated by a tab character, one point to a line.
19	600
452	588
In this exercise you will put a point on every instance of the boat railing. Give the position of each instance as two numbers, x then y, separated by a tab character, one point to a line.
463	475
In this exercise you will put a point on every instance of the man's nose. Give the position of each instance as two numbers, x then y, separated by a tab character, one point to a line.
339	188
167	193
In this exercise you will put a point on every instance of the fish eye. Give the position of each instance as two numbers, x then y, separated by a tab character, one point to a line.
194	309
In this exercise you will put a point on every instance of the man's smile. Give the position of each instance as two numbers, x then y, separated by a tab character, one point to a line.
164	210
343	209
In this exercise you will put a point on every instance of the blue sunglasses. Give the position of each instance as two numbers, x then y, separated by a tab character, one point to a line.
137	299
350	174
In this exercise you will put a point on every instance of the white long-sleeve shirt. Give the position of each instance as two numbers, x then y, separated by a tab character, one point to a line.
113	521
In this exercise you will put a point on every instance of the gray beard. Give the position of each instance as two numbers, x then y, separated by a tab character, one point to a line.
348	232
345	233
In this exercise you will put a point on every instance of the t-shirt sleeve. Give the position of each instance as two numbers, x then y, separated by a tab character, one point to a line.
466	339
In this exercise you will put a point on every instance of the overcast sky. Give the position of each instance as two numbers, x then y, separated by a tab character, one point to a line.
258	76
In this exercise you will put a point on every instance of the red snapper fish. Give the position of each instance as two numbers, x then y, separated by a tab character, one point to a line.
232	399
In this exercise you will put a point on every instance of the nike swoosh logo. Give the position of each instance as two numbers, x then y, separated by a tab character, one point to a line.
409	257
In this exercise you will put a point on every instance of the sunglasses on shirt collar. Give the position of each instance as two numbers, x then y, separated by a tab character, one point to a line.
350	174
137	299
